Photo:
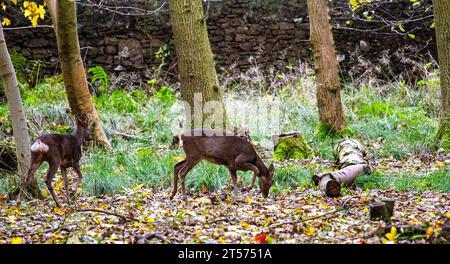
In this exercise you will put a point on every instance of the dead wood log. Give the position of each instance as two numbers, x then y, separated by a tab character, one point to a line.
351	158
328	184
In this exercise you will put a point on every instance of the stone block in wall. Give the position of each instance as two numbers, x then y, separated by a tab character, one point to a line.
105	59
285	25
300	34
111	41
37	43
240	38
111	50
130	52
40	53
246	46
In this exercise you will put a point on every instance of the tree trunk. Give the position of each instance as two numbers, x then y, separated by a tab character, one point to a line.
327	78
199	84
18	120
442	19
72	66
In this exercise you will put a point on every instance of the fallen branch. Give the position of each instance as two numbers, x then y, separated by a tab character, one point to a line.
308	219
122	217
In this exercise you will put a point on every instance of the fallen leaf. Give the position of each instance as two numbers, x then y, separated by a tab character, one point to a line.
391	235
261	238
16	240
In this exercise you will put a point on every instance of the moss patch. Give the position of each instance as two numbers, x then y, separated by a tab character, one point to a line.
292	148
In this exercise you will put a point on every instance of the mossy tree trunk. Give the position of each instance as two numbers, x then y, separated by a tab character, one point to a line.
18	120
199	84
442	19
326	66
77	90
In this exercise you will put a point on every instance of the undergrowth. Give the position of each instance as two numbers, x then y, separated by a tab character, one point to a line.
393	119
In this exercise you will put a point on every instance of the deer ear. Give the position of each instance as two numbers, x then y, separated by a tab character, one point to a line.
271	169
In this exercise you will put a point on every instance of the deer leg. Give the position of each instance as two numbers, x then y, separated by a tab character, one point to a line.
246	166
190	164
234	180
176	172
66	183
49	178
35	164
76	168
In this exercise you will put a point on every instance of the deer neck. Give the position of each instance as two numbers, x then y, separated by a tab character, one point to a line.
263	170
80	134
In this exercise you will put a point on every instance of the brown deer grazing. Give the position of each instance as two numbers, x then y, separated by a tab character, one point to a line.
234	152
59	151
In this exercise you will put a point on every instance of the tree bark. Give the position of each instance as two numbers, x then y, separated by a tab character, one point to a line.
326	66
72	67
442	20
198	78
18	120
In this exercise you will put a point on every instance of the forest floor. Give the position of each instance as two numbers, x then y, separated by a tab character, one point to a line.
125	191
296	215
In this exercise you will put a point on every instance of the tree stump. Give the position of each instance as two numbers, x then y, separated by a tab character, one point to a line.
381	211
390	205
291	145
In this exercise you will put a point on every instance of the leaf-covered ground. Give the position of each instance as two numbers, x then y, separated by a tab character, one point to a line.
299	216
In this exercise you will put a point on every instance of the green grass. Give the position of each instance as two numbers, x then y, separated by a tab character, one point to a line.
398	118
438	181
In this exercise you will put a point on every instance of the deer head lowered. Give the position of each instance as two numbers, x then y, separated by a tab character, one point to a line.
59	151
223	148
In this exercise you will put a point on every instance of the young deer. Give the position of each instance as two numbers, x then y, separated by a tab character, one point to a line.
235	152
59	151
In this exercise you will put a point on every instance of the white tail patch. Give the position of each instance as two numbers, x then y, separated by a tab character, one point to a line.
181	141
38	146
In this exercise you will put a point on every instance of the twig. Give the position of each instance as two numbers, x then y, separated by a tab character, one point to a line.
28	27
308	219
124	218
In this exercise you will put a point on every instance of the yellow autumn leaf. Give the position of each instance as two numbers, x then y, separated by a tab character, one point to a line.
447	214
245	225
41	11
113	237
138	187
221	240
59	211
391	235
354	3
3	6
6	22
204	189
430	232
198	232
310	231
14	1
249	200
149	219
440	164
16	240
